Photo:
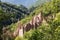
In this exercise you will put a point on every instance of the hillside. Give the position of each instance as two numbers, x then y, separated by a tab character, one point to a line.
48	23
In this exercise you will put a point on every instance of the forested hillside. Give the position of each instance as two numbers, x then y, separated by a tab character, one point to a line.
11	13
48	23
15	12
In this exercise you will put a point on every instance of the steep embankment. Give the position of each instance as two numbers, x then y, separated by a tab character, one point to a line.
35	12
32	24
25	20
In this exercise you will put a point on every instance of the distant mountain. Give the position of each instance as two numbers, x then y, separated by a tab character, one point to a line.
26	3
40	2
14	12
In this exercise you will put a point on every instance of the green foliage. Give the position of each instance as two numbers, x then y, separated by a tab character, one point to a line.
35	35
57	18
50	7
19	38
27	35
45	32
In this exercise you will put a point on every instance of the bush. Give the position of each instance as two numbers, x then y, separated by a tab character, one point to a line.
19	38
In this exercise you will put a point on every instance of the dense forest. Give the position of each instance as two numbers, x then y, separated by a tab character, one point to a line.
13	16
